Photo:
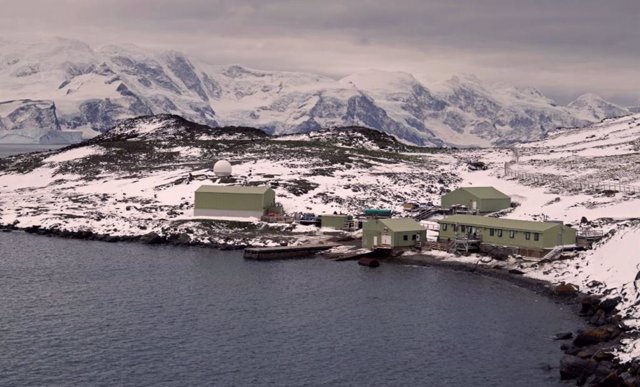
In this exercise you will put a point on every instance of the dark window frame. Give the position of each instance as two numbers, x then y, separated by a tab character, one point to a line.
512	234
444	226
405	237
527	235
492	231
499	233
536	236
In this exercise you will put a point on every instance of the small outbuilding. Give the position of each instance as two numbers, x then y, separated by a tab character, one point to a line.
339	222
233	200
392	233
528	237
476	199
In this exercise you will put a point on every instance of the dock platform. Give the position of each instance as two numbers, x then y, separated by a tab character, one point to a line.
284	252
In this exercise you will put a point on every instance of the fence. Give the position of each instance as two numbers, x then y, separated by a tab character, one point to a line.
571	185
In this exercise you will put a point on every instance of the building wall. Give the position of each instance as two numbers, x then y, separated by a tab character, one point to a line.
457	196
233	201
460	196
269	199
397	238
234	213
372	228
493	205
518	240
547	239
333	221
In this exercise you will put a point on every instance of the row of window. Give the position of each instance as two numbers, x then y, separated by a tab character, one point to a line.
413	237
492	231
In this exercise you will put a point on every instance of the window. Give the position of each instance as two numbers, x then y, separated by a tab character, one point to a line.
413	237
499	233
462	227
527	235
444	227
536	236
492	232
512	234
455	228
405	237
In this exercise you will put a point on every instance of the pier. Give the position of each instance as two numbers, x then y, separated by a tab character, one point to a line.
284	252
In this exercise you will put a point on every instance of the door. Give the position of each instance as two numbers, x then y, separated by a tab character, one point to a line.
386	240
375	241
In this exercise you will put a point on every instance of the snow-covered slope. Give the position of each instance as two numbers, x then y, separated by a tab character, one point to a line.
95	89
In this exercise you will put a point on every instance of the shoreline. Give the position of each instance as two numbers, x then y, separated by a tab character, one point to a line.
588	357
600	363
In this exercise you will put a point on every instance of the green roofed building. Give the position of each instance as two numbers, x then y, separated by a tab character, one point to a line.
392	233
233	200
532	238
480	199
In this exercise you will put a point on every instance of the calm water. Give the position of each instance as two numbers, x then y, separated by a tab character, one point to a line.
91	313
14	149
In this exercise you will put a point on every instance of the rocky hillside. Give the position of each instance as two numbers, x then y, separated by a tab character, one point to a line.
140	177
94	89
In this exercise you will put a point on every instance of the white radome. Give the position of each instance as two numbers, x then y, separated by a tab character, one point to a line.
222	168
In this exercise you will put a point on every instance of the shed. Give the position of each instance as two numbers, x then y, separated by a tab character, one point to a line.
233	200
392	233
522	234
480	199
338	222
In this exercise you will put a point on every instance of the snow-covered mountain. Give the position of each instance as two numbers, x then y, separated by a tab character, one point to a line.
593	108
95	89
24	121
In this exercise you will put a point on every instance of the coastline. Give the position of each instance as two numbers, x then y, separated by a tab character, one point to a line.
589	355
589	358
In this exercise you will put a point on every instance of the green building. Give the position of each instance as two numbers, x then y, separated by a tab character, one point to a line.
480	199
530	237
233	200
338	222
392	233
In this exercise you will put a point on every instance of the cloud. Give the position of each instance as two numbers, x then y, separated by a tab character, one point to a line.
563	47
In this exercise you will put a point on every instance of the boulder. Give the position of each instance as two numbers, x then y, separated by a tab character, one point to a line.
151	238
565	290
610	304
595	336
573	367
589	305
563	336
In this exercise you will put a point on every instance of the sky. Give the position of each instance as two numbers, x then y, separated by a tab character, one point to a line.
562	47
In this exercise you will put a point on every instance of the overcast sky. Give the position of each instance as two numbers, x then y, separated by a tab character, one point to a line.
562	47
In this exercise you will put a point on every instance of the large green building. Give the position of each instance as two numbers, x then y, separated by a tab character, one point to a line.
522	234
233	200
392	233
480	199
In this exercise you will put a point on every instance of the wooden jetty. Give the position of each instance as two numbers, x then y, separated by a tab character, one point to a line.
284	252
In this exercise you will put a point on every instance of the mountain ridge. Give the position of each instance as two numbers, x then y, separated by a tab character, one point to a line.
94	89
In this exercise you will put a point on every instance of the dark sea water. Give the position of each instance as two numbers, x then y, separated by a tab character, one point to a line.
14	149
92	313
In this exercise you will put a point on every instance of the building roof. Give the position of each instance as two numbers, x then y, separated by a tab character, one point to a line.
501	223
484	192
238	189
401	224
